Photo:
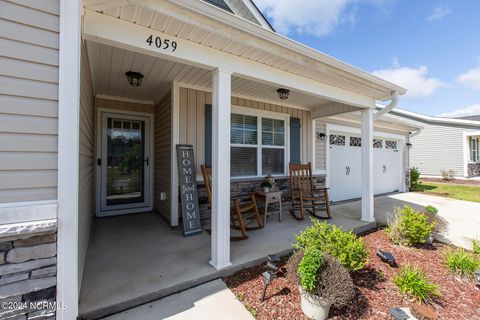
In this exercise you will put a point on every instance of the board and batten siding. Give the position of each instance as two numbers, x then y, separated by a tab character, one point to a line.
86	196
192	120
29	43
163	136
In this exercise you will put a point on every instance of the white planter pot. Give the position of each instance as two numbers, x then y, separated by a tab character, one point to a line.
313	306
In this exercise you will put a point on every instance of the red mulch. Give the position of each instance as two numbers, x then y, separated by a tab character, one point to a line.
453	181
376	293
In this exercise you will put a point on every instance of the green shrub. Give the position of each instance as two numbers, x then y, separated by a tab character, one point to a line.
461	262
346	247
412	281
441	224
409	227
476	246
430	209
309	267
414	176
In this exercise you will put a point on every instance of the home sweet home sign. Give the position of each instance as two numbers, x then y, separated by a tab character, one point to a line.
188	190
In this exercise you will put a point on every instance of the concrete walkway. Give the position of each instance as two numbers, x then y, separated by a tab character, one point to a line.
463	216
209	301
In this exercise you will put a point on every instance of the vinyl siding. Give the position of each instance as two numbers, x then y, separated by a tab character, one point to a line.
29	43
163	135
192	121
86	197
436	148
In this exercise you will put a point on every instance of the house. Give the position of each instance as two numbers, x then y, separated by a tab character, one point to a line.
96	95
443	144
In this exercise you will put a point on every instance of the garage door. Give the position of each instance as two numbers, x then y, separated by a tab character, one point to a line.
345	166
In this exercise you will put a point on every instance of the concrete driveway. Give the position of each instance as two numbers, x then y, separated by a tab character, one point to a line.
463	216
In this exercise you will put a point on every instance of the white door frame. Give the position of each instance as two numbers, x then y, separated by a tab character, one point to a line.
102	114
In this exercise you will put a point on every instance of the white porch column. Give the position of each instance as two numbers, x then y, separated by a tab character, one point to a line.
221	107
367	166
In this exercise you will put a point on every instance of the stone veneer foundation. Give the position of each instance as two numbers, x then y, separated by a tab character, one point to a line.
473	169
28	270
248	186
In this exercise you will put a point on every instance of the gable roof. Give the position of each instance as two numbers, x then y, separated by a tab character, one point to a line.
474	118
220	4
433	120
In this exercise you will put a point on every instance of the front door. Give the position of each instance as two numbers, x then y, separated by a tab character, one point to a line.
125	164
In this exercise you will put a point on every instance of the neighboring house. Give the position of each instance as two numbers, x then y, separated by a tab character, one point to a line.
77	141
443	144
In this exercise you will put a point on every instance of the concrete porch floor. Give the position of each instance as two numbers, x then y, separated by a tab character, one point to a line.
134	259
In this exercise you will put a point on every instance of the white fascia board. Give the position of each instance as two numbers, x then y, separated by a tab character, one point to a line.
472	133
268	35
431	118
112	31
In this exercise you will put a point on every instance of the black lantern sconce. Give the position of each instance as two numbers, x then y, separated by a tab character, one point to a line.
283	93
321	135
408	144
134	78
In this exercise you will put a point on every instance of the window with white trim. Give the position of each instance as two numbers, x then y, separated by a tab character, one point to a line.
474	156
258	145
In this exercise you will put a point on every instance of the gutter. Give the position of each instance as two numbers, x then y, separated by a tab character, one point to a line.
393	103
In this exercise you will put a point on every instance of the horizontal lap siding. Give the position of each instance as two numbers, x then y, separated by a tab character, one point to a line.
192	120
28	100
436	148
163	136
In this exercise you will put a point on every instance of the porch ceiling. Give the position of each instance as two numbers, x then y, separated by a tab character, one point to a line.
251	44
108	66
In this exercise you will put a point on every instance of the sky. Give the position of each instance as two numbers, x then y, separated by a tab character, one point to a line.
432	48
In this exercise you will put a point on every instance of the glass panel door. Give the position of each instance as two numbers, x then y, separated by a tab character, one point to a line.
125	172
125	161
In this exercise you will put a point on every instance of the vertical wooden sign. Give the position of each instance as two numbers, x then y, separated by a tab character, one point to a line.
188	190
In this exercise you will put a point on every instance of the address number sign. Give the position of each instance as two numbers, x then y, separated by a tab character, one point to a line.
164	44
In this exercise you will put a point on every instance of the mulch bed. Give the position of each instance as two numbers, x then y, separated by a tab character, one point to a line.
453	181
376	293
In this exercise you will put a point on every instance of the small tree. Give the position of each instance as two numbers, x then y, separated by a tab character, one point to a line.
414	176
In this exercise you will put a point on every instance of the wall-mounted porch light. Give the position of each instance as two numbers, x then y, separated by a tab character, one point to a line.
283	93
321	135
134	78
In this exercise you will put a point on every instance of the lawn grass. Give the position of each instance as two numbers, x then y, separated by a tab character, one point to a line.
454	191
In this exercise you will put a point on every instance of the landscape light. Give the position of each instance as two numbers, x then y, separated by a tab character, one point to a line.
268	277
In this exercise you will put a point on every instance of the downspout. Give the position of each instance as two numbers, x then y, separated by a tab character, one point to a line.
393	103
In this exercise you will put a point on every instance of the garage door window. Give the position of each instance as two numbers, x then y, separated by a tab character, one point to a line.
337	140
355	142
391	144
377	143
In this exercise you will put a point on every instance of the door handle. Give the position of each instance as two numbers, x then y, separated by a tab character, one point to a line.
146	160
99	161
347	170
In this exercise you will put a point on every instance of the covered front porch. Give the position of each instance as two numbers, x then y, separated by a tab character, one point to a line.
129	259
134	259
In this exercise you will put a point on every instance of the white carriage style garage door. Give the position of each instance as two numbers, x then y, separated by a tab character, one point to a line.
344	164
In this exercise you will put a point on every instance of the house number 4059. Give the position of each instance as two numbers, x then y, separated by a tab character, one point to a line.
162	43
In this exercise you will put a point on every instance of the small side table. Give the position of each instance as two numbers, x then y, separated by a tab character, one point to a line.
272	196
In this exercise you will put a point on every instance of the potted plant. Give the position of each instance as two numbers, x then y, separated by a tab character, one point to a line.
267	184
322	282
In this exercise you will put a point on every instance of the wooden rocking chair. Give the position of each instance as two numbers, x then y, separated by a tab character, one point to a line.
304	194
239	211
